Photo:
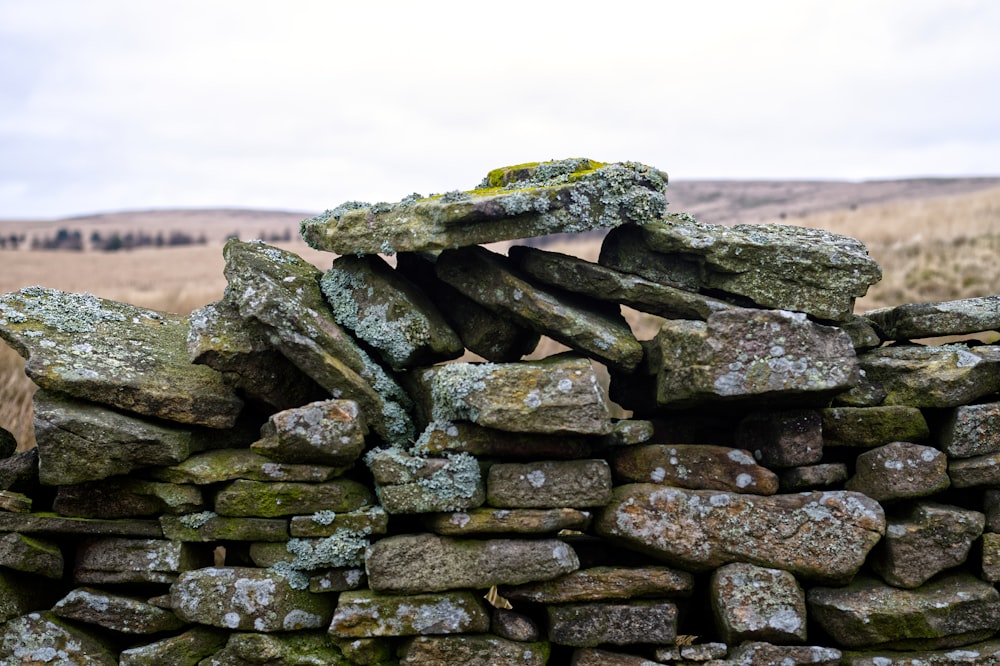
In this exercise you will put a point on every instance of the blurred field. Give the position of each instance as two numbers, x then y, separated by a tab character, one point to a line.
934	247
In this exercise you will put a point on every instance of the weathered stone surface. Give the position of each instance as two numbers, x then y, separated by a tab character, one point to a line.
873	426
247	599
414	484
946	612
231	464
388	312
363	614
238	348
819	536
991	507
488	520
48	523
978	471
19	472
370	520
755	603
444	437
604	583
991	557
8	444
607	284
558	395
367	651
512	202
117	560
17	502
186	649
207	526
21	594
771	355
412	563
121	497
299	648
900	470
971	430
776	266
270	500
281	291
31	555
344	548
929	320
43	638
696	466
863	335
483	332
550	484
598	657
945	376
328	432
128	615
626	623
931	538
81	441
115	354
588	326
471	650
812	476
759	653
783	439
340	579
978	654
515	626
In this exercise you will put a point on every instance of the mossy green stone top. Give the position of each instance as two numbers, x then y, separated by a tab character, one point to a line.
521	201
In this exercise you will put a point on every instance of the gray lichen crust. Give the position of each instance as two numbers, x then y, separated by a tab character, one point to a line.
512	202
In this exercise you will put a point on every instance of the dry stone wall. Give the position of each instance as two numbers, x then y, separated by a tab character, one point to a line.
303	473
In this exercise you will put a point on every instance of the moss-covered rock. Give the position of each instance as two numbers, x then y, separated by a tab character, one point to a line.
31	554
123	497
869	427
270	500
326	432
121	613
44	638
929	320
230	464
187	649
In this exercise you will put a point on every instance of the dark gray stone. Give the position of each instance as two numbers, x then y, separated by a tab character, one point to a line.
549	484
121	497
625	623
783	439
187	649
488	520
605	583
364	614
472	650
900	470
759	653
109	560
971	430
125	614
930	320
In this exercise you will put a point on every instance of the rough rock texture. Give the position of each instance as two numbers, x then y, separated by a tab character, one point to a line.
602	583
113	611
472	650
694	466
624	623
549	484
326	432
926	320
783	439
754	603
900	470
971	430
363	614
40	638
869	427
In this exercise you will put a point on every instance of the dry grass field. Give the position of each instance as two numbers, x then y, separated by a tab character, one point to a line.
935	241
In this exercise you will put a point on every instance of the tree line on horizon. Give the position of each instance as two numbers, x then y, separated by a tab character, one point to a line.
72	240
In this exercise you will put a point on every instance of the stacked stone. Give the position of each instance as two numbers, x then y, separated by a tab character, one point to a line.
302	472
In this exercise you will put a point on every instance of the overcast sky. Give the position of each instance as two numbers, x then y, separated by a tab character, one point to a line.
300	105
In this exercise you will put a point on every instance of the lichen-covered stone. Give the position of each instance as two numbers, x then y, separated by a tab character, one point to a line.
116	560
696	466
588	326
344	548
760	653
756	603
415	484
488	520
946	612
412	563
776	266
48	523
900	470
370	520
125	614
327	432
932	537
819	536
19	472
187	649
363	614
512	202
81	441
607	284
622	623
115	354
281	291
783	439
971	430
930	320
549	484
245	599
763	355
448	437
230	464
31	555
472	650
483	332
207	526
991	557
976	471
298	648
44	638
558	395
869	427
339	579
812	477
945	376
599	657
238	348
388	312
270	500
122	497
605	583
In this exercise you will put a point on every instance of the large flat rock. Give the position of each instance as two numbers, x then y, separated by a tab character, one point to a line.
512	202
116	354
929	320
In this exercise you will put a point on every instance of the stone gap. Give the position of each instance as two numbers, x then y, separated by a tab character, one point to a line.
302	473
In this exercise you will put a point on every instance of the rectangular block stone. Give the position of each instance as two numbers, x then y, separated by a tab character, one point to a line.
364	614
593	624
114	560
549	484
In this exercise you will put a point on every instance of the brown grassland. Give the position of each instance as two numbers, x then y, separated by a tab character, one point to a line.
938	246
